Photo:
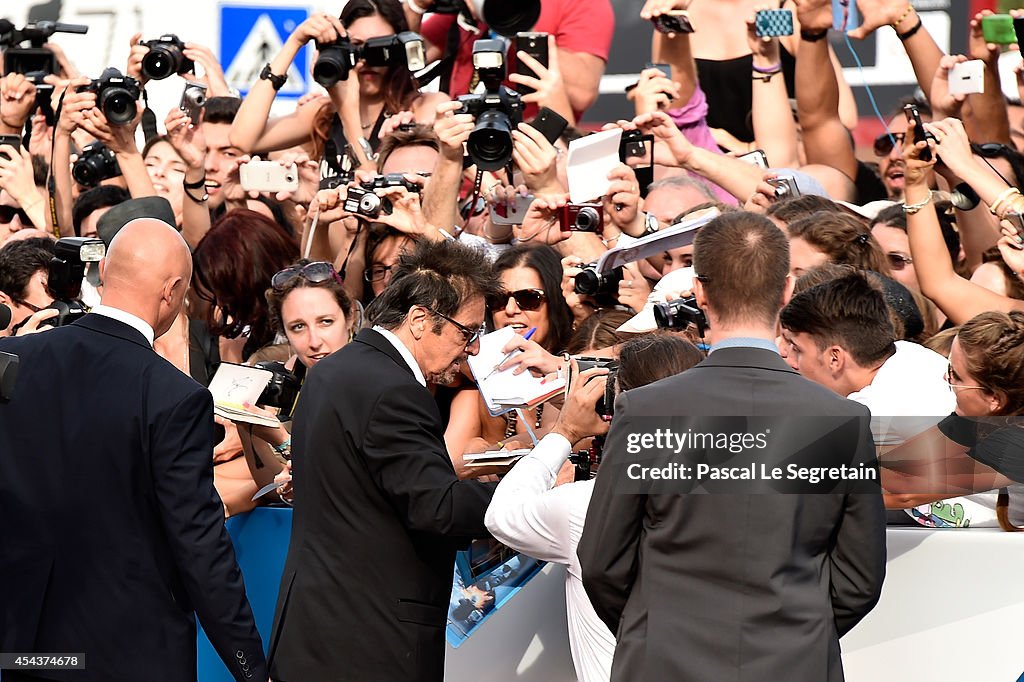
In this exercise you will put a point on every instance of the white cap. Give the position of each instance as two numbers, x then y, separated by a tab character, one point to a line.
643	321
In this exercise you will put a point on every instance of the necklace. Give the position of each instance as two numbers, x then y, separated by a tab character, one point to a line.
512	420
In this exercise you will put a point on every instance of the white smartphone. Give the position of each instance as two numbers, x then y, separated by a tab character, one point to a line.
268	176
755	158
967	78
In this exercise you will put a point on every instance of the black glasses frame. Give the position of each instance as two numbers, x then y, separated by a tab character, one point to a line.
500	301
470	335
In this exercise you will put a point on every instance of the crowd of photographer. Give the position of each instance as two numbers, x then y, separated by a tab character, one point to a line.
904	272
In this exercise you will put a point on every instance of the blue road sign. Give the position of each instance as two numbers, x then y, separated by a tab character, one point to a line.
251	36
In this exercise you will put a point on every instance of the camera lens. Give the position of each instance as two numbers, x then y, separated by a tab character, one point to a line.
85	172
490	143
195	98
162	61
665	315
509	18
118	105
588	282
586	220
331	66
369	204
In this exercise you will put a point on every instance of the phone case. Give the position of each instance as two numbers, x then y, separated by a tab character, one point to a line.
755	158
666	69
268	176
549	124
998	29
675	21
535	45
772	23
967	78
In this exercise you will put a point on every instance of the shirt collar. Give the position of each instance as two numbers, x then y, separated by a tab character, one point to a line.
404	352
745	342
127	318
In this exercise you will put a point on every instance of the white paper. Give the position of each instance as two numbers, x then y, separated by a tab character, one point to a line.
235	385
591	159
674	237
502	391
967	78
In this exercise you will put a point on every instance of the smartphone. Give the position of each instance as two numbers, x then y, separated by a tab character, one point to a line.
268	176
967	78
666	69
514	214
998	29
1018	28
674	21
1017	220
845	16
755	158
12	140
920	135
193	99
772	23
549	124
535	45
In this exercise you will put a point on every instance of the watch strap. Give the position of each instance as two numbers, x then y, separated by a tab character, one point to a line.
275	80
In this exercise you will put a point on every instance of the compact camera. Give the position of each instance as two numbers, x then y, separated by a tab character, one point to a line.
785	188
603	287
193	99
677	315
338	58
95	164
497	111
581	218
165	58
116	95
282	391
364	201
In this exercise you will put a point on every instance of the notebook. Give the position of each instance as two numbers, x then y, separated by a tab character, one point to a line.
235	385
504	391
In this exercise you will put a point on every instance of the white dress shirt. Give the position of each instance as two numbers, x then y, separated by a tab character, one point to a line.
404	352
530	516
127	318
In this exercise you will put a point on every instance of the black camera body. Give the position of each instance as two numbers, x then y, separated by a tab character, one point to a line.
64	276
282	391
44	95
404	49
606	404
95	164
677	315
165	58
603	287
582	218
364	201
25	60
116	95
334	62
497	111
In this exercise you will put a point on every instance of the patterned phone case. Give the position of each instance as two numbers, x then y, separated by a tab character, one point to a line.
772	23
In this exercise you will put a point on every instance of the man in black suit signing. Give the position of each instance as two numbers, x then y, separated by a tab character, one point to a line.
379	511
734	587
112	536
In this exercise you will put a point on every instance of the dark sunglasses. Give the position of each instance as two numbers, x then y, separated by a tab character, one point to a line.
7	214
897	261
314	273
470	335
886	141
526	299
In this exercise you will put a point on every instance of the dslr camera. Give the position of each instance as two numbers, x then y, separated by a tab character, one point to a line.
95	164
282	391
365	202
165	58
603	287
680	313
25	60
116	95
497	111
337	59
582	218
606	404
64	279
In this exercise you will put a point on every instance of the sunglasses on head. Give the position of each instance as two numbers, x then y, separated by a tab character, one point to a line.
7	214
526	299
897	261
314	273
886	141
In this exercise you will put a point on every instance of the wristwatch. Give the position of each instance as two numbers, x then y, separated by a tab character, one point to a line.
651	224
275	80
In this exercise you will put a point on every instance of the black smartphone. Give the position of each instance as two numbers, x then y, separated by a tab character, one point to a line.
550	124
535	45
12	140
676	21
1018	28
665	69
920	135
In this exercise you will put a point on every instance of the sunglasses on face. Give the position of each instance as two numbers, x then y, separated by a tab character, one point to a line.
314	273
897	261
526	299
886	141
7	214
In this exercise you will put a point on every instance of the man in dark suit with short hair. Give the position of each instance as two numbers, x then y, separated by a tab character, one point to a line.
112	535
724	587
379	511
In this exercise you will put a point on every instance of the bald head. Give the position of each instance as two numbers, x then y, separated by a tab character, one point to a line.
146	271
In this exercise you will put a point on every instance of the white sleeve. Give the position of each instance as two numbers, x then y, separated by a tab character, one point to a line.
525	513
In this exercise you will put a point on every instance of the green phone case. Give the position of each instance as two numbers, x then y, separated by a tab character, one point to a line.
998	29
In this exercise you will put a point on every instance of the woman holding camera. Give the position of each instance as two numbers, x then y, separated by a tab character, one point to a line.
308	305
361	108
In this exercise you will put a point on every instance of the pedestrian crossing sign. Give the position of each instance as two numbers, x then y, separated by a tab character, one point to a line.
251	36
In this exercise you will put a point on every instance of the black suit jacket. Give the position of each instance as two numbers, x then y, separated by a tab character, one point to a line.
112	534
379	515
732	588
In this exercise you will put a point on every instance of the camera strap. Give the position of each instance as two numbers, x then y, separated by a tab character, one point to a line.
51	183
148	119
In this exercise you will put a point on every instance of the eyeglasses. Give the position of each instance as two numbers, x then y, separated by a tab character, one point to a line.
886	141
470	335
30	306
526	299
897	261
7	214
377	272
314	273
950	375
468	208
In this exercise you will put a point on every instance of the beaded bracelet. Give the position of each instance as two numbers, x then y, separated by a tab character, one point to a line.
1007	193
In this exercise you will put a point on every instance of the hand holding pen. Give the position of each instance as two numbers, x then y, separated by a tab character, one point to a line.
525	354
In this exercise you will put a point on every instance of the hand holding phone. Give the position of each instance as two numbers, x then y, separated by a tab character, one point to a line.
673	22
998	29
773	23
967	78
268	176
920	134
535	45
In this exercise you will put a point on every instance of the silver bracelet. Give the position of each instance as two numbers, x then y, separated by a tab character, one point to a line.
911	209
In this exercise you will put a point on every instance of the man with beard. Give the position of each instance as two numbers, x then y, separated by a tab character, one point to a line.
379	512
890	155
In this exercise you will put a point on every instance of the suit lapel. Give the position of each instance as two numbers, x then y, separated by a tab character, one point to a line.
111	327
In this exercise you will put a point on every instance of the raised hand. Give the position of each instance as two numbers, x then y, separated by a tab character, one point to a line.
945	105
541	224
17	100
536	158
213	74
186	138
